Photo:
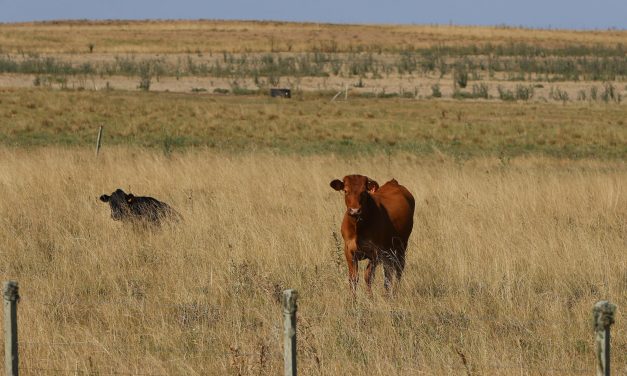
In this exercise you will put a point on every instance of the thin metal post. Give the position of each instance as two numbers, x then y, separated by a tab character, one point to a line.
10	298
99	140
289	333
603	313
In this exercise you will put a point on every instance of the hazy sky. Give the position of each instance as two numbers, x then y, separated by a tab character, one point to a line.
573	14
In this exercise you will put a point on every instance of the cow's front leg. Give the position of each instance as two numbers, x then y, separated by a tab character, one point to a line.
353	267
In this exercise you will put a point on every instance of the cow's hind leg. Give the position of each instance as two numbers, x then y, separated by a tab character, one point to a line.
399	264
388	269
369	274
394	264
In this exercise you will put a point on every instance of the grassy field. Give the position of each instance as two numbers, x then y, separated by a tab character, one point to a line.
504	264
311	124
519	179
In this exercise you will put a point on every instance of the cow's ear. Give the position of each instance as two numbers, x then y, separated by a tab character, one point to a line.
372	186
129	197
338	185
105	198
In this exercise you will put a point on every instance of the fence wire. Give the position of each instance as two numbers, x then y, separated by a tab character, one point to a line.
79	372
397	313
416	370
441	317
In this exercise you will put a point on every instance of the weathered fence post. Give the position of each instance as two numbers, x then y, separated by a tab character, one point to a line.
289	333
603	313
10	297
99	140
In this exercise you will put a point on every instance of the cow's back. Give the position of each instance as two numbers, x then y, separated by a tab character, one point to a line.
399	205
150	208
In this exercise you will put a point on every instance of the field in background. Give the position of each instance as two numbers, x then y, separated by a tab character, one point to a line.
310	124
372	60
74	37
504	265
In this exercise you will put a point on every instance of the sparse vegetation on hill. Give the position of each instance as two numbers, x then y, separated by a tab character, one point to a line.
257	55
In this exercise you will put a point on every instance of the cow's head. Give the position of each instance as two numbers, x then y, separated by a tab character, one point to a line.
357	190
120	202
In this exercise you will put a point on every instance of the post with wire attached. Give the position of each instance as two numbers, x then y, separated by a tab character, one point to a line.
99	140
603	318
10	298
289	331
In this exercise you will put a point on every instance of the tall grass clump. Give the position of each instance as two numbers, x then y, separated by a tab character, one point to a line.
610	93
558	94
505	94
435	91
524	92
481	90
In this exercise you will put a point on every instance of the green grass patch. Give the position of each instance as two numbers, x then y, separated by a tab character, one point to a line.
311	124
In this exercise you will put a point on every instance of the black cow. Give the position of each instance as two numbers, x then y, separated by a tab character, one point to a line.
126	207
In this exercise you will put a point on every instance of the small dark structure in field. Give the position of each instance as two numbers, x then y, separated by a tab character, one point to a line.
129	208
281	93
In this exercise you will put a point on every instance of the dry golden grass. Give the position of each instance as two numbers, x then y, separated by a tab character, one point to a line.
257	36
504	265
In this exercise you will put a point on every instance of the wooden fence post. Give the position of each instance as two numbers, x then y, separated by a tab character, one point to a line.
289	333
99	140
603	313
10	298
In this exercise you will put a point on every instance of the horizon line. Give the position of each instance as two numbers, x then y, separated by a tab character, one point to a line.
435	24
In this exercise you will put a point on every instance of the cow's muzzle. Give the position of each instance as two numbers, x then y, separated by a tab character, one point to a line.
354	212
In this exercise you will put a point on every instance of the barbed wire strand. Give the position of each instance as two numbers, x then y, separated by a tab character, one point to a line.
506	366
76	371
365	311
270	354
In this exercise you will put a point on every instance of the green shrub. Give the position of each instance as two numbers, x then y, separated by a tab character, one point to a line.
480	91
238	90
461	77
610	94
524	92
505	94
145	75
435	91
558	94
458	94
408	94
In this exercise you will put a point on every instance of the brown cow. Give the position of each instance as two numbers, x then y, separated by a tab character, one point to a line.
376	226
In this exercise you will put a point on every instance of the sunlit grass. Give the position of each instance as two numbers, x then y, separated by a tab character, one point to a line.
505	262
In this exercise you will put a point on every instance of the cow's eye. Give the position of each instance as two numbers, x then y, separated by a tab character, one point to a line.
345	193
